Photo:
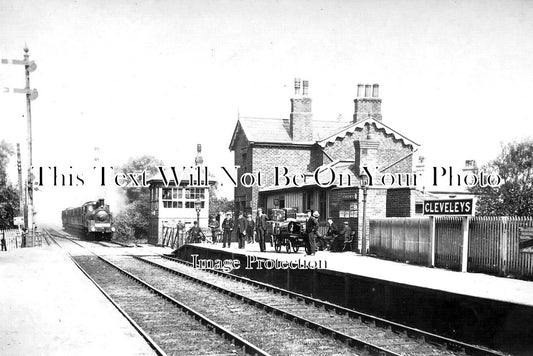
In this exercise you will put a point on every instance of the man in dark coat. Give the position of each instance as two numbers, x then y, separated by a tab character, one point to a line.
241	230
3	241
345	233
195	233
311	227
261	227
332	235
227	228
250	227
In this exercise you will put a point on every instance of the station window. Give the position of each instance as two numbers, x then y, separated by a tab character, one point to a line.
172	197
190	205
178	198
194	193
191	194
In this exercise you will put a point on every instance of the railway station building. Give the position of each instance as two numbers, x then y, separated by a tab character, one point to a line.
173	202
338	150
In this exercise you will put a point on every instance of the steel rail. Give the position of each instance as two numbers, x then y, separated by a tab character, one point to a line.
248	347
350	340
136	326
219	329
451	344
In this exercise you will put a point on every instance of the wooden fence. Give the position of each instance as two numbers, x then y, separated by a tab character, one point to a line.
172	237
14	239
493	243
404	239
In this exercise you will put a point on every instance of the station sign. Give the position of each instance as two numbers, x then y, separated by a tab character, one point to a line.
18	220
449	207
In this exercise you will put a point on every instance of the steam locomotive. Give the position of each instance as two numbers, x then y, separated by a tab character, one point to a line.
93	220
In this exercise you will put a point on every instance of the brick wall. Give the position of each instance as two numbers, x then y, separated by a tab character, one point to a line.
376	202
367	107
243	157
389	151
301	120
265	158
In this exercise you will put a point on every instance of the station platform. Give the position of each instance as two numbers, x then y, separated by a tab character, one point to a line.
471	307
469	284
49	307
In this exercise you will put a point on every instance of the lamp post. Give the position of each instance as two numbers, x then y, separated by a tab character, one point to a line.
198	207
364	186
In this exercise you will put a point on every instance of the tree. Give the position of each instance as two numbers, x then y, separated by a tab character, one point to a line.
139	164
9	200
514	197
217	204
9	197
6	151
133	220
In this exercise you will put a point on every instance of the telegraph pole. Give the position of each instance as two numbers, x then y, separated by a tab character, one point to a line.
21	191
29	66
30	151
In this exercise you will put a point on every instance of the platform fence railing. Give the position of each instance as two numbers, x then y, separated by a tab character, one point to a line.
494	243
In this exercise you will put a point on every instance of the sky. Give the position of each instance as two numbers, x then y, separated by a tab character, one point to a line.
158	77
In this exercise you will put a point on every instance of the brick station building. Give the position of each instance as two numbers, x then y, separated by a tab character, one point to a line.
302	145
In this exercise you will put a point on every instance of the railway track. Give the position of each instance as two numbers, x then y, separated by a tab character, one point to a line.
333	319
164	319
236	321
276	335
170	327
269	319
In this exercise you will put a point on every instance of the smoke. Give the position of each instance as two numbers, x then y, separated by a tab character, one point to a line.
50	201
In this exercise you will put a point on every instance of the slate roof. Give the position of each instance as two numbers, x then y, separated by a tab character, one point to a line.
277	131
272	130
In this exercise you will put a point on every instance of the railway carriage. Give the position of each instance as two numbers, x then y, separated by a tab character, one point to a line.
93	220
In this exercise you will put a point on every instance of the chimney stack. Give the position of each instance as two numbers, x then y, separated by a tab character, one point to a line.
366	152
360	90
296	86
367	103
301	119
367	90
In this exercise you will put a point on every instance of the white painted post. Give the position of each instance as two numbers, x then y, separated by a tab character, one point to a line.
504	244
464	261
431	260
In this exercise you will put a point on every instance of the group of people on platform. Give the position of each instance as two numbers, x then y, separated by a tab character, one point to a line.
245	228
334	240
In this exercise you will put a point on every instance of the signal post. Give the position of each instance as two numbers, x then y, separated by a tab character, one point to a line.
31	94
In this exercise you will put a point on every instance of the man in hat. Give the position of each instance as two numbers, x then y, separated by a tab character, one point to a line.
345	233
250	227
195	233
241	230
227	228
261	227
312	231
332	234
